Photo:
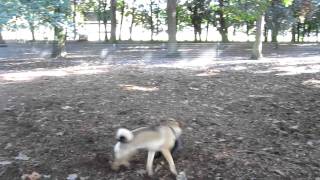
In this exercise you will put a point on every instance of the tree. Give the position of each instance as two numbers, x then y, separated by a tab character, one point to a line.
197	9
223	27
57	14
262	7
172	26
121	7
113	4
8	10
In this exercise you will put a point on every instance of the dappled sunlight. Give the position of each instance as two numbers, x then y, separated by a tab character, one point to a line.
129	87
209	72
295	70
312	83
38	73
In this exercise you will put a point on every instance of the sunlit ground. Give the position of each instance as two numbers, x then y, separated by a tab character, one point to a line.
129	87
60	72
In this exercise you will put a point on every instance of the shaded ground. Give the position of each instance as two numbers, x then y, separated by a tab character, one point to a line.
243	119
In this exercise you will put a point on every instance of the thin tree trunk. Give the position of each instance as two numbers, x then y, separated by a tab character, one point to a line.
293	33
298	32
1	38
105	21
132	22
121	21
31	26
99	19
317	33
265	34
151	21
106	39
303	32
207	31
74	20
257	47
172	26
113	20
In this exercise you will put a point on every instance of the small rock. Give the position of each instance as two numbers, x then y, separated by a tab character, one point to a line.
141	172
182	176
46	176
294	127
310	143
8	146
66	107
72	177
59	134
22	157
240	138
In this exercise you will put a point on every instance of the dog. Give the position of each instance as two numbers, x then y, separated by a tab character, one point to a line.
164	139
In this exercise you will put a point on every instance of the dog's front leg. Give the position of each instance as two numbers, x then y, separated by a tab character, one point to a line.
150	162
167	155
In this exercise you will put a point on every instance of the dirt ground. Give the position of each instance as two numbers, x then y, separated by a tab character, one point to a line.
243	119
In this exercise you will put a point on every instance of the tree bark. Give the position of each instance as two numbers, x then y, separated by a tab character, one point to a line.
74	20
113	20
31	26
207	31
172	26
151	21
121	21
223	29
58	49
1	38
257	47
293	33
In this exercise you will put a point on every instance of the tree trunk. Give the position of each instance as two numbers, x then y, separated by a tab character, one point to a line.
121	21
274	34
1	38
298	32
257	47
151	21
207	31
223	29
132	22
74	19
113	20
31	26
293	33
99	19
195	33
106	39
58	49
317	33
265	34
172	26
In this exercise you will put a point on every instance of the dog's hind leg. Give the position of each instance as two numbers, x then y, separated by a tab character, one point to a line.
150	162
167	155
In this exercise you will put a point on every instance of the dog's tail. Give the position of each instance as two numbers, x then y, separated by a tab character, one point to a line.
124	135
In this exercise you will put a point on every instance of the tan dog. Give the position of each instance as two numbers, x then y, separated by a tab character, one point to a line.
154	139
